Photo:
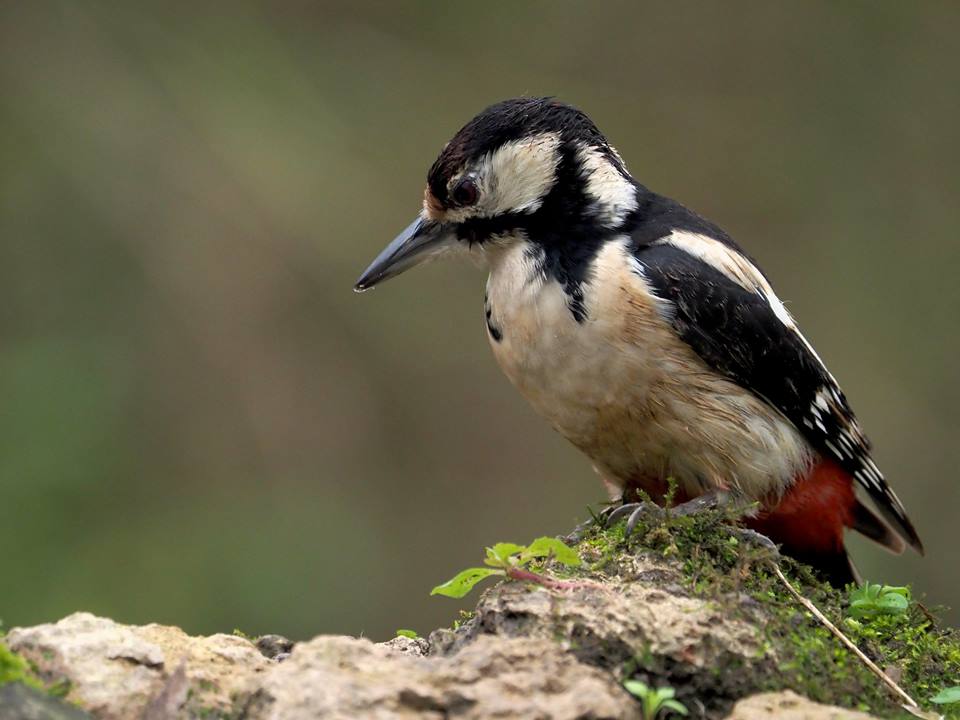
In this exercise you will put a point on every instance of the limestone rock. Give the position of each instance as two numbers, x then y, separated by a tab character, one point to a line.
790	706
338	677
528	652
115	670
604	625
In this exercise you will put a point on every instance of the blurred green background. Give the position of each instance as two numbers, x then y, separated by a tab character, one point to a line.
201	424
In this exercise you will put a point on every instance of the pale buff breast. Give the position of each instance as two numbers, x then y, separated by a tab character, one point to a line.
626	390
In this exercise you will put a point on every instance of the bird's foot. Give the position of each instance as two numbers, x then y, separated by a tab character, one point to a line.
634	512
580	532
757	540
701	503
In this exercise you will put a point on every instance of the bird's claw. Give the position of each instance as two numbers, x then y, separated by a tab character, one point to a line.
610	516
701	503
752	537
634	512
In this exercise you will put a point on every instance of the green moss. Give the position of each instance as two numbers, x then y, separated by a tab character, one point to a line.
14	668
714	564
465	617
205	685
214	713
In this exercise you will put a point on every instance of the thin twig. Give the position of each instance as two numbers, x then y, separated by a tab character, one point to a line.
929	615
516	573
845	640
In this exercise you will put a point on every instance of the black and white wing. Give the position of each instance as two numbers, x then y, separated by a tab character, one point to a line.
725	309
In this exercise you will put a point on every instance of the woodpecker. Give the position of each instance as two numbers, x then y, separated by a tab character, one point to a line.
646	336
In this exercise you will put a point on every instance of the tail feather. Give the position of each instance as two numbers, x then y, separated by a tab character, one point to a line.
892	513
866	521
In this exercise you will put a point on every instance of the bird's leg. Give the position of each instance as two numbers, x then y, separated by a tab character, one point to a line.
634	512
712	500
716	499
576	536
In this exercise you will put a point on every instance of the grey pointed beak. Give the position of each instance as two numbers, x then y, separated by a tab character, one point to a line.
420	240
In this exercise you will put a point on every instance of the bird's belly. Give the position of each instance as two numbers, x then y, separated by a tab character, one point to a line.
599	397
622	387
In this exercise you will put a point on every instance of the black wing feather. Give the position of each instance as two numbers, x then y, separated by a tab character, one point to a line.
737	332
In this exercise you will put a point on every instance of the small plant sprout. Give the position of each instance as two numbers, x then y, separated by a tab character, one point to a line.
510	560
655	702
870	601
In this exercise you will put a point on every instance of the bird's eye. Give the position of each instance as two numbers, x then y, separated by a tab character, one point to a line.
466	192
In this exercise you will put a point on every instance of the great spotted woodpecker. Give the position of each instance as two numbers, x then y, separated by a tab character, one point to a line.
645	334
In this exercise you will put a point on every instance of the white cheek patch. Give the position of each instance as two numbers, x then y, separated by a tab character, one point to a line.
518	175
614	195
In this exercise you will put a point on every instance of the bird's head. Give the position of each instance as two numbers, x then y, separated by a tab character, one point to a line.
529	168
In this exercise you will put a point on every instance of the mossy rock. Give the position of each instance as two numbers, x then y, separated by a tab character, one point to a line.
698	555
686	603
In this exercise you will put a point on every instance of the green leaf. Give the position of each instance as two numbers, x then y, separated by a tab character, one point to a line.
867	591
859	609
463	582
636	688
499	554
545	546
412	634
893	604
674	705
899	590
870	601
947	696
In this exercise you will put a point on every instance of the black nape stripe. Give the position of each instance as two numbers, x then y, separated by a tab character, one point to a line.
565	231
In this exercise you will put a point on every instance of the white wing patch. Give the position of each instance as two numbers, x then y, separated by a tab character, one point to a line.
741	271
732	264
